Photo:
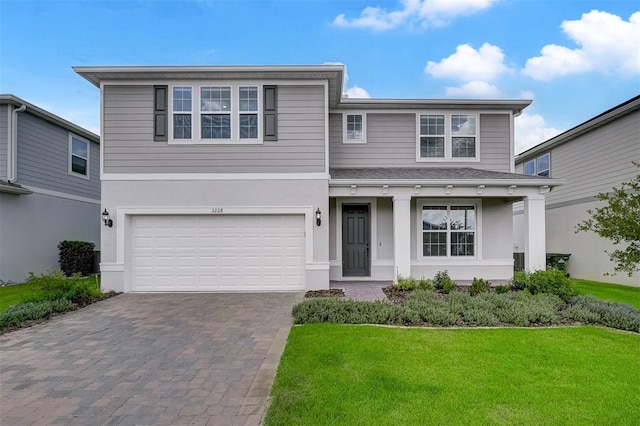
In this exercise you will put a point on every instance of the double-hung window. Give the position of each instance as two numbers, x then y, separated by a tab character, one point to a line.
540	166
447	137
354	128
222	114
78	156
448	230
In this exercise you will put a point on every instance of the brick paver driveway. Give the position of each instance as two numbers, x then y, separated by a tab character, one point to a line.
148	359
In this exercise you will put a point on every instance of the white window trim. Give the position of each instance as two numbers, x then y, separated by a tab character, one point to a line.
363	140
449	202
70	156
447	139
196	131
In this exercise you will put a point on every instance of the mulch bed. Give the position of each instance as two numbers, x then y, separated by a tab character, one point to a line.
333	292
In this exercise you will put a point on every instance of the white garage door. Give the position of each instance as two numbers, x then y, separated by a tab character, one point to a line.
217	253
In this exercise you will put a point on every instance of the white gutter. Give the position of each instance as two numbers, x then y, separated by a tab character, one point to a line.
12	143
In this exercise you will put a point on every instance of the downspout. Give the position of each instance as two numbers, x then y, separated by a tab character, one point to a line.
12	145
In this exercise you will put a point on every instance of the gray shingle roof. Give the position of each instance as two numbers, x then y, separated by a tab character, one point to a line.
426	173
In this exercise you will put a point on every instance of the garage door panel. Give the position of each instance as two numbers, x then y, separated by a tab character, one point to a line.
217	253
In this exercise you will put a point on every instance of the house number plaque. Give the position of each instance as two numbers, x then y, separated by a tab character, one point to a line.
216	210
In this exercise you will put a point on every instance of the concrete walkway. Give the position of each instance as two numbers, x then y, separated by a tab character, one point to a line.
145	359
362	290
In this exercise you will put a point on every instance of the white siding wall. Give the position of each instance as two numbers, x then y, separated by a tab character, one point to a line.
129	146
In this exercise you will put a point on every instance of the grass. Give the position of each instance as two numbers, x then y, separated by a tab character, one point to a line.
610	292
14	294
360	375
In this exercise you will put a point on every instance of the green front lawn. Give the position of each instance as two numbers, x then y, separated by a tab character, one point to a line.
361	375
14	294
610	292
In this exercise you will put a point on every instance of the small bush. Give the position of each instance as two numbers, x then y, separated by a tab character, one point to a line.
589	310
53	286
501	289
76	257
552	281
432	309
32	311
338	311
410	284
425	284
479	286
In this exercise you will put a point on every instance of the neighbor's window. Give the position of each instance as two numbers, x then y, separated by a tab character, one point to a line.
215	112
463	136
448	231
182	99
540	166
78	156
354	128
432	136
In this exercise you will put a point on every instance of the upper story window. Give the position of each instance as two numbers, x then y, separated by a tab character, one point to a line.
354	128
540	166
78	156
445	137
224	114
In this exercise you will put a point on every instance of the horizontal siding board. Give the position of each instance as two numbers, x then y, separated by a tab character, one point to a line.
129	146
43	159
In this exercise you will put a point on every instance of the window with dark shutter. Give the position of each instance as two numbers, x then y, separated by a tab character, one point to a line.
160	113
270	113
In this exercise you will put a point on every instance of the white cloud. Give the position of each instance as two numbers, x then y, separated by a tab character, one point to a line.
607	44
468	64
474	89
527	94
356	92
530	130
424	13
351	92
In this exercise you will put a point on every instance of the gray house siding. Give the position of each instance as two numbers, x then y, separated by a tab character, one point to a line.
3	141
391	142
43	159
129	146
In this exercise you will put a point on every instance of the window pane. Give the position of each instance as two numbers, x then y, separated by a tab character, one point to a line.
434	244
543	165
182	126
463	147
182	98
354	126
248	98
462	217
434	218
215	98
78	147
78	165
462	243
215	126
432	125
248	126
431	147
463	125
530	167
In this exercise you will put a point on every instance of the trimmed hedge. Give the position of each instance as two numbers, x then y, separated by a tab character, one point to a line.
76	257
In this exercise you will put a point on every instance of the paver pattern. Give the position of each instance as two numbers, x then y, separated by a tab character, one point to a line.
148	359
362	290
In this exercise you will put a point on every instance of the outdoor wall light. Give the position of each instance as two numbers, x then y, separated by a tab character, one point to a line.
318	217
107	219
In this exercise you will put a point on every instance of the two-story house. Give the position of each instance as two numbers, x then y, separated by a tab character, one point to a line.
255	178
593	157
49	187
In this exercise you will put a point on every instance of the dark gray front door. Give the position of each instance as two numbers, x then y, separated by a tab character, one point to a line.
355	240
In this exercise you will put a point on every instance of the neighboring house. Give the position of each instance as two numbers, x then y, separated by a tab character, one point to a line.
224	178
592	158
49	187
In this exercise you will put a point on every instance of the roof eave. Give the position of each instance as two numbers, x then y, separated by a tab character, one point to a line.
440	182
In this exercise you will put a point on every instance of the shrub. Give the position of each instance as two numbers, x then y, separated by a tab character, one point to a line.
501	289
53	286
478	286
589	310
442	279
338	311
521	309
410	283
31	311
551	281
76	257
432	309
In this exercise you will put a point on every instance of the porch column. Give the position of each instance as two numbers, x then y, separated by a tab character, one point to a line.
534	233
402	235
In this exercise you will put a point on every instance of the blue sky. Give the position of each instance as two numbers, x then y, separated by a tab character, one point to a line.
574	58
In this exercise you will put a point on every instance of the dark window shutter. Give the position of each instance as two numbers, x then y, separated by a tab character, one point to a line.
270	113
160	113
